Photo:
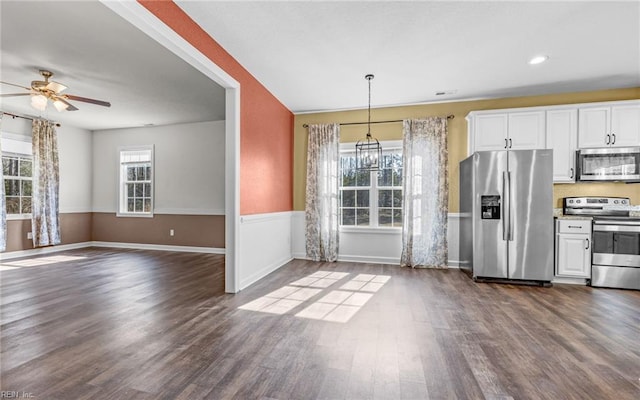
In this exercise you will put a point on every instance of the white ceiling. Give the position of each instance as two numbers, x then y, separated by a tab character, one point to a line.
97	54
313	55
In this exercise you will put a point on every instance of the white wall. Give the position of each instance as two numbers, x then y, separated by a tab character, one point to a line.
74	154
369	245
189	166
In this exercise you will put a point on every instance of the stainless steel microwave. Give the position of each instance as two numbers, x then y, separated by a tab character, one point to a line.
608	164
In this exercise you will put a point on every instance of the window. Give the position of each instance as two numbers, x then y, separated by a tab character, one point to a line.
136	181
17	171
371	199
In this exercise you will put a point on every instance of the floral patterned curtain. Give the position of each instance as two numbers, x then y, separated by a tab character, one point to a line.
3	206
425	193
321	208
45	221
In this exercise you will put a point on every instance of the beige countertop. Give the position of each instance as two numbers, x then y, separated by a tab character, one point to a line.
573	217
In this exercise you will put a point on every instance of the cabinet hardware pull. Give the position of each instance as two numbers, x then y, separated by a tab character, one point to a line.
573	226
613	135
588	244
510	143
571	173
608	140
505	143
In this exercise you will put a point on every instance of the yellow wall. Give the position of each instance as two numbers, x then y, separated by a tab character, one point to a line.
457	129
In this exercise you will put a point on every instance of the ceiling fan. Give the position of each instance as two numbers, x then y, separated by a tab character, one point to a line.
43	91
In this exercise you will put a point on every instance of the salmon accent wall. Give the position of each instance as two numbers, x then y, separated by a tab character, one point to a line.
457	131
266	140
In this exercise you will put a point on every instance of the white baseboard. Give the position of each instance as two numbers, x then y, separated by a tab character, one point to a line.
161	247
43	250
368	259
135	246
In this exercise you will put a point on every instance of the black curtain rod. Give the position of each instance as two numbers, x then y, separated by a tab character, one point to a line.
450	116
23	117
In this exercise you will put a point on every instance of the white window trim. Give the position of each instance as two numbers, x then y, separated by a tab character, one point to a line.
373	211
121	190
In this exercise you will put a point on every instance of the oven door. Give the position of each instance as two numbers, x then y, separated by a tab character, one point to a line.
616	243
609	164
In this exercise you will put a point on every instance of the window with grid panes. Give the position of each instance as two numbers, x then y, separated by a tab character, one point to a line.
371	199
17	172
136	181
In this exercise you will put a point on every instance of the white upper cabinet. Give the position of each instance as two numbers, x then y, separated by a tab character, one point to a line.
562	128
609	125
562	137
507	130
490	132
526	130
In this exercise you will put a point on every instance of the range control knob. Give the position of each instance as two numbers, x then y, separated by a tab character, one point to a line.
578	201
623	201
615	202
570	201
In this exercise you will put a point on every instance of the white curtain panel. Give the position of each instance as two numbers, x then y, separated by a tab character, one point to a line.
45	220
3	205
425	193
321	207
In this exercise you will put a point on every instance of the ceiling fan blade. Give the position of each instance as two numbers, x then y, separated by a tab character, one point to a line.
56	87
70	107
86	100
13	84
15	94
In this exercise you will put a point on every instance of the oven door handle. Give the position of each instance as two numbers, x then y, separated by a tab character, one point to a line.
617	227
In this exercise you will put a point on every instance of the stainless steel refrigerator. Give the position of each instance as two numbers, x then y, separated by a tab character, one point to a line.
506	215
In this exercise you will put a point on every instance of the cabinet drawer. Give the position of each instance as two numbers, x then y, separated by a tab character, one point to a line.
574	226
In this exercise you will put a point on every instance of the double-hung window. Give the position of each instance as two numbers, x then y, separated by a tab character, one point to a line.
136	181
371	199
17	170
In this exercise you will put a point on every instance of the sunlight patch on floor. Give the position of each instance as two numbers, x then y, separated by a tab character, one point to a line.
36	262
338	305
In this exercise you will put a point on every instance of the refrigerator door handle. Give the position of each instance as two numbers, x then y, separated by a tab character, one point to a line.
505	206
509	213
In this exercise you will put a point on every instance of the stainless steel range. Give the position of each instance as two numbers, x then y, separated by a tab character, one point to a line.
616	240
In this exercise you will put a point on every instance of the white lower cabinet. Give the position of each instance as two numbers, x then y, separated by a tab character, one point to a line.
573	248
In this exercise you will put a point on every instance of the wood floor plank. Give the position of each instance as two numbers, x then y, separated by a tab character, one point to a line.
135	324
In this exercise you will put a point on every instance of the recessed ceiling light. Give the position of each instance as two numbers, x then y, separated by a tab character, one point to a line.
538	60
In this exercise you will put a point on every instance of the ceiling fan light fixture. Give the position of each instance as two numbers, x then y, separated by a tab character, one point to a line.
368	150
39	102
60	106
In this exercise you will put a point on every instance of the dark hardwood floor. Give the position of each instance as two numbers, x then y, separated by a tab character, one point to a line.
123	324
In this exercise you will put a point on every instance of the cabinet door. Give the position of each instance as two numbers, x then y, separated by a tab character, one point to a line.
490	132
562	137
593	127
526	130
574	256
625	125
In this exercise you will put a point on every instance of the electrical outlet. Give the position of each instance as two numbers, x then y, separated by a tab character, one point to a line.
171	232
29	235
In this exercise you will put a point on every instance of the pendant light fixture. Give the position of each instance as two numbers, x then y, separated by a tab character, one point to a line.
368	150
